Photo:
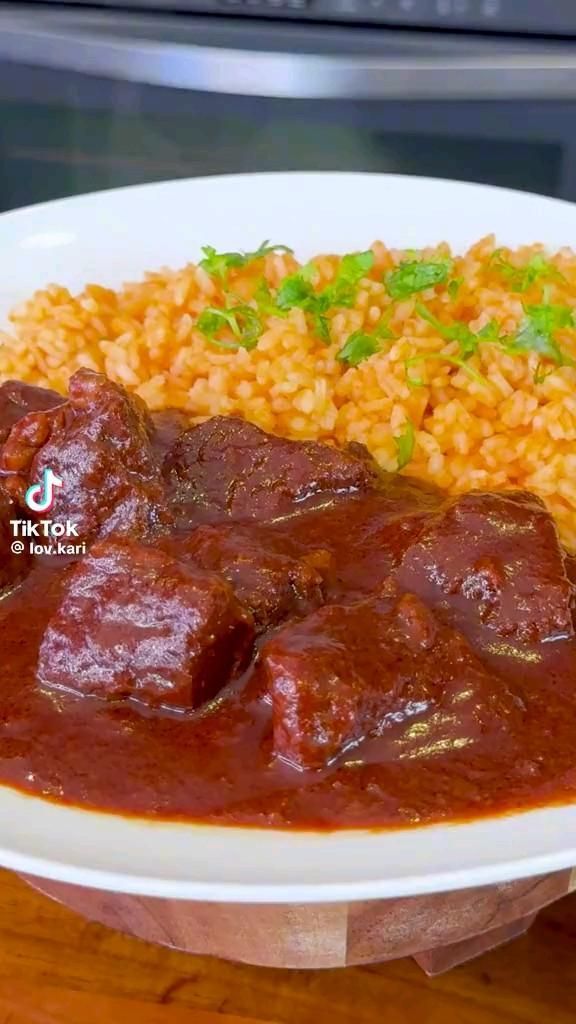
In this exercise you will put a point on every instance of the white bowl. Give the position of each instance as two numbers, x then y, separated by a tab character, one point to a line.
111	236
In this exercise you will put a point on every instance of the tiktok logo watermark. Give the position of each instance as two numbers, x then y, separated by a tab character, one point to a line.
40	498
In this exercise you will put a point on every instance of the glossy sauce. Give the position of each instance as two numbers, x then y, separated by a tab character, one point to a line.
217	764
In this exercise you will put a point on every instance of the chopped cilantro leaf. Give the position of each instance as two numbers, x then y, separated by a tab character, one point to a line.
265	249
383	329
405	444
413	276
540	373
265	300
490	332
355	265
243	321
211	320
550	317
530	339
297	290
322	326
442	357
358	347
468	341
537	329
454	286
342	290
520	279
217	264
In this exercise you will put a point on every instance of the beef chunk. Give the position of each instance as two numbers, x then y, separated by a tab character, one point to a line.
18	399
135	622
13	567
496	557
234	467
348	672
168	425
271	583
98	443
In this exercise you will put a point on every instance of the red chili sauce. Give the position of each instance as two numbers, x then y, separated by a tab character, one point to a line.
270	632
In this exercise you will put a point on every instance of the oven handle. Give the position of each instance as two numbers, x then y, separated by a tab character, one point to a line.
65	43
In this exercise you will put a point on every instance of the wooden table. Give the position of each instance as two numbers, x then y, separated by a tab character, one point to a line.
56	968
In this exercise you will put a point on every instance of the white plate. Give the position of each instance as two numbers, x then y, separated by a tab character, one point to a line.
110	236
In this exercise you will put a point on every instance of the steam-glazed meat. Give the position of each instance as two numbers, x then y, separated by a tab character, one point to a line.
13	565
168	425
495	557
236	468
271	583
348	672
18	399
98	443
135	622
305	602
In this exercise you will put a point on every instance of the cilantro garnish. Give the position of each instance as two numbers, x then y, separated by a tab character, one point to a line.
405	444
358	347
454	287
413	276
297	290
536	334
353	267
520	279
217	264
243	321
537	329
417	382
321	326
467	341
265	300
265	249
361	345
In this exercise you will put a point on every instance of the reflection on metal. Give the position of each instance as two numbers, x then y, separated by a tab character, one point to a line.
149	51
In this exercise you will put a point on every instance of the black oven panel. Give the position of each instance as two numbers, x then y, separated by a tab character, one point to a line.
535	17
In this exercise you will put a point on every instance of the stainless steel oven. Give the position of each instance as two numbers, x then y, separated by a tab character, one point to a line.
98	95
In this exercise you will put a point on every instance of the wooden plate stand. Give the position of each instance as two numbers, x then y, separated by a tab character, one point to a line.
438	931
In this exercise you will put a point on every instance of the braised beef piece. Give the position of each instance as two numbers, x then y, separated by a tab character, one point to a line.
348	672
17	399
137	623
99	444
236	468
271	582
168	425
497	559
366	535
13	566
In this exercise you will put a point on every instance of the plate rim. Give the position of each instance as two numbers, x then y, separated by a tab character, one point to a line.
306	892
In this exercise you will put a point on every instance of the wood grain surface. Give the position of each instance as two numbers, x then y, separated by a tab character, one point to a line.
56	968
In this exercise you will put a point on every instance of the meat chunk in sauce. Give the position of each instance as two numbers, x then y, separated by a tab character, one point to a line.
273	584
17	399
348	672
168	425
236	468
496	558
136	623
98	443
13	566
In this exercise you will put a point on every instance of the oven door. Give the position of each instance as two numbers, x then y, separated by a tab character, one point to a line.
95	99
